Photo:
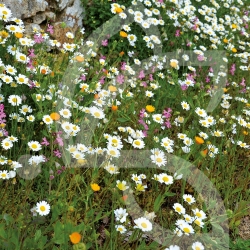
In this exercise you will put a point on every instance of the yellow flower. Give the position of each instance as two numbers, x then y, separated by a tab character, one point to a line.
79	58
55	116
199	140
95	187
225	40
123	34
150	108
140	187
118	10
204	152
4	34
75	238
114	107
234	26
112	88
18	35
234	50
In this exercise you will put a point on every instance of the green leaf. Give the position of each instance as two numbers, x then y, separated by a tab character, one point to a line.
38	235
8	219
169	194
158	202
236	190
122	120
3	231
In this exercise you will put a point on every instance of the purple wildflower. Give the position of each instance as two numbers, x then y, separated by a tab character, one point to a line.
123	64
105	42
57	153
232	69
50	29
120	79
38	38
141	75
45	142
177	33
31	53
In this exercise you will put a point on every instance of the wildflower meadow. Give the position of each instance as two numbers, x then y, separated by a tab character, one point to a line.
133	134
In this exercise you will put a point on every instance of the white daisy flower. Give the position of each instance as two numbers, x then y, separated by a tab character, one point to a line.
6	144
42	208
47	119
15	100
120	228
144	224
189	198
179	208
34	145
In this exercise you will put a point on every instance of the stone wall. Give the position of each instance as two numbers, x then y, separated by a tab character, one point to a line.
35	13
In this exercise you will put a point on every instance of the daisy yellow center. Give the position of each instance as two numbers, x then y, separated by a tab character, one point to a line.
12	28
47	119
97	114
137	143
178	209
22	58
197	248
25	110
144	225
198	214
188	199
186	230
112	152
173	64
197	222
5	12
159	160
14	99
3	175
34	146
165	178
42	208
65	112
21	79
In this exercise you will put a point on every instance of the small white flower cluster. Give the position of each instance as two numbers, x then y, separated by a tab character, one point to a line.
184	225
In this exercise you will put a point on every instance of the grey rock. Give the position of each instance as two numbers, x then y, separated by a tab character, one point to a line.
39	18
37	11
26	8
62	4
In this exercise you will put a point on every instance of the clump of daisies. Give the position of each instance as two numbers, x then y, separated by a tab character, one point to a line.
186	225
